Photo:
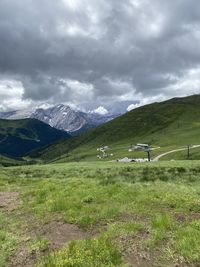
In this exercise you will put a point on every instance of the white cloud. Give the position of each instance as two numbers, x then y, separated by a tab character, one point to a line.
11	95
100	110
79	91
73	4
146	100
132	106
188	84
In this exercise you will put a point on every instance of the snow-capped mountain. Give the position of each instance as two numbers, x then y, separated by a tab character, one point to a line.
62	117
65	118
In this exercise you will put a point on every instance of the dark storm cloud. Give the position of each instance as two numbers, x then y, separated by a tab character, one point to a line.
115	48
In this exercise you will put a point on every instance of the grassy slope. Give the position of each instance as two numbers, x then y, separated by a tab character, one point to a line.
183	155
18	137
169	124
147	215
6	162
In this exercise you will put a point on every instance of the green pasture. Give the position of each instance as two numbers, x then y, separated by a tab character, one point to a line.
150	209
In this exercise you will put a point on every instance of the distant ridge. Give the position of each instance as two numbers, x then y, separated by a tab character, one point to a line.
174	122
18	137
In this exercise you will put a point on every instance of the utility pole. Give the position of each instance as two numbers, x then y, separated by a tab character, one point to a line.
149	157
188	151
148	153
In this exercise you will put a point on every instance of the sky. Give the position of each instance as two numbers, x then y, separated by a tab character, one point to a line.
95	54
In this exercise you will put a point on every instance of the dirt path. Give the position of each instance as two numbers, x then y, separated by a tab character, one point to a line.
172	151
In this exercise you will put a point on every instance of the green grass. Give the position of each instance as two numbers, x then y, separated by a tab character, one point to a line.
8	238
187	241
7	243
183	155
39	244
152	208
97	252
162	226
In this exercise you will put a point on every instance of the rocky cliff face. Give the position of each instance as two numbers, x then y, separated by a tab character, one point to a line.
61	117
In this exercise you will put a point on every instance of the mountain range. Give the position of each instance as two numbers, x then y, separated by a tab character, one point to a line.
170	124
62	117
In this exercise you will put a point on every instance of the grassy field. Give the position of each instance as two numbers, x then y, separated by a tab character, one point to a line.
100	214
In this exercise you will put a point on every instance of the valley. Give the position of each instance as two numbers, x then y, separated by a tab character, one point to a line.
18	137
62	205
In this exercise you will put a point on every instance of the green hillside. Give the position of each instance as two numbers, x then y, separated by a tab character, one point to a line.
168	124
18	137
7	162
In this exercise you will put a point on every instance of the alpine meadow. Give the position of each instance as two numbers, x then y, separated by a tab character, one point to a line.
99	133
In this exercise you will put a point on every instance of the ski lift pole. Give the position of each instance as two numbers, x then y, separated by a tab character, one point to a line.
148	153
149	157
188	151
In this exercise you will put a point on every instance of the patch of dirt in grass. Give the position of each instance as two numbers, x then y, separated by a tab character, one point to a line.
138	259
181	218
187	218
60	233
9	200
57	232
133	252
193	217
23	258
136	254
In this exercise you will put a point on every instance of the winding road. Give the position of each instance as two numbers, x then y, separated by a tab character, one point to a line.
173	151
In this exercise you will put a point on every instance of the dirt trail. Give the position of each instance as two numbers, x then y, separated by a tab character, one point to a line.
172	151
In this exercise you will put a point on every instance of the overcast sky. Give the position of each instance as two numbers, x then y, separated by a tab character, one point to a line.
92	53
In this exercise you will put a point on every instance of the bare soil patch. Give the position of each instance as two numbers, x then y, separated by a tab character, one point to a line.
57	232
182	218
138	259
9	200
23	258
133	252
60	233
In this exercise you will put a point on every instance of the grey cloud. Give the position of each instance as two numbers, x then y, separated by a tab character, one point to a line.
118	47
41	87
